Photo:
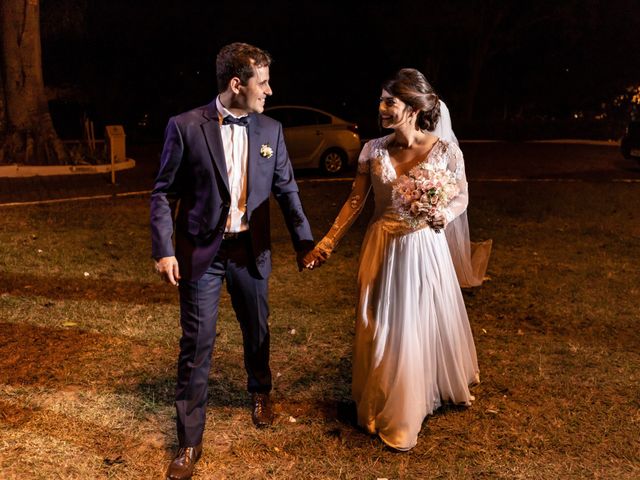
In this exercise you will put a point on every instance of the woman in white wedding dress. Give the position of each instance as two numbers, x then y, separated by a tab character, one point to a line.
413	347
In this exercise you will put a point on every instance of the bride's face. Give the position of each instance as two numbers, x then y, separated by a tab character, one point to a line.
393	111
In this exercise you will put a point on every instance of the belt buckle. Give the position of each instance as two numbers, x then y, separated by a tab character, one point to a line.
230	235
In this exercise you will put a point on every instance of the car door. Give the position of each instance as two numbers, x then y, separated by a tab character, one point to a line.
303	136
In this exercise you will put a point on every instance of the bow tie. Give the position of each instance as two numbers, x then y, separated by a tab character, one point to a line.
231	120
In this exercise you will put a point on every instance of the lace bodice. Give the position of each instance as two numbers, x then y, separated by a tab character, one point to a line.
375	160
376	171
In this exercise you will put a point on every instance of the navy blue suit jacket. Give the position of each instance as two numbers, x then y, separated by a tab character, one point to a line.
193	178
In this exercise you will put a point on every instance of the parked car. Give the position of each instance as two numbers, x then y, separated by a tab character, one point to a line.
317	139
630	143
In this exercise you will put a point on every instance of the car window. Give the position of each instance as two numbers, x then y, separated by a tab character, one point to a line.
322	119
298	117
279	114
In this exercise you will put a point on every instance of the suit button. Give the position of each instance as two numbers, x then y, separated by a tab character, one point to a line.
226	204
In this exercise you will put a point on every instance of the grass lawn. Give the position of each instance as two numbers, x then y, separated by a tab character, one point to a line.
89	338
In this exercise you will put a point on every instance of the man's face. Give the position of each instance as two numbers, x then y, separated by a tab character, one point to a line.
252	96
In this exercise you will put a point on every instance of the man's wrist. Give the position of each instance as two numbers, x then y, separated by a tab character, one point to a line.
304	246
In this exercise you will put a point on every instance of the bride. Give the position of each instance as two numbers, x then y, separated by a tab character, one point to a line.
413	347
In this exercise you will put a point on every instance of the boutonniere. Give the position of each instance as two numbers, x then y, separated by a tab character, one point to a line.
266	151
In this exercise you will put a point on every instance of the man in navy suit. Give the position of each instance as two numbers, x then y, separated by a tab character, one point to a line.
219	165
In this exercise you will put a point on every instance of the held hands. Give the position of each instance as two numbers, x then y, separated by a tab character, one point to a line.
305	260
309	260
167	268
318	256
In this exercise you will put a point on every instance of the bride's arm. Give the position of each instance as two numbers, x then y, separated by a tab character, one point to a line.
459	203
347	215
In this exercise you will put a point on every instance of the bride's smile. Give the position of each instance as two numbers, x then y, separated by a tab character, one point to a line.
392	111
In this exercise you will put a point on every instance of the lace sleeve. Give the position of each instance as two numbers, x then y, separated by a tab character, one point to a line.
455	163
349	211
363	159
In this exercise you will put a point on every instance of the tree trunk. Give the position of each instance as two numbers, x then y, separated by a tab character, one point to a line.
27	134
3	117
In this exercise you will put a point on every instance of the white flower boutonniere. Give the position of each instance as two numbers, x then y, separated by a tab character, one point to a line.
266	151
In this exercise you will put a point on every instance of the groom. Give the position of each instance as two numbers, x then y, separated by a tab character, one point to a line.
220	163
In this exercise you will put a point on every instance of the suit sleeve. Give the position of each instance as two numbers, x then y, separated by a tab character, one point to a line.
165	193
286	191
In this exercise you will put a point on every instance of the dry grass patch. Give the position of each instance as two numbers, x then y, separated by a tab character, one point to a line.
87	362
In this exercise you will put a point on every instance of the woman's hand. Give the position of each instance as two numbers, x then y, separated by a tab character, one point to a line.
320	254
437	223
313	259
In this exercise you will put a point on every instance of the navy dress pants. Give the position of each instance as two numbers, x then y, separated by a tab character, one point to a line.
198	315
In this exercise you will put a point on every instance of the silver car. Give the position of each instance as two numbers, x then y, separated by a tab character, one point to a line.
317	139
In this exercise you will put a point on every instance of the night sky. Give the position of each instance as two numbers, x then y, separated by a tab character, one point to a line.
119	59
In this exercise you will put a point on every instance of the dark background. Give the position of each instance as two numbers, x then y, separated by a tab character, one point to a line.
505	68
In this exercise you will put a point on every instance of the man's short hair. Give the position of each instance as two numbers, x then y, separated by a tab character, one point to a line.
237	60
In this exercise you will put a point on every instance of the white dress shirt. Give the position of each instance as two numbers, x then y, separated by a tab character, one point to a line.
235	143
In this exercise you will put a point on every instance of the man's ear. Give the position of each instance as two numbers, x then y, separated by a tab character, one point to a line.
235	84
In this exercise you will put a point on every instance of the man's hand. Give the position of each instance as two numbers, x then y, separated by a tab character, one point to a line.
302	259
310	260
167	268
319	255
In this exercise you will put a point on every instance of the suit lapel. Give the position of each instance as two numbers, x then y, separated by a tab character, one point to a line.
253	158
211	130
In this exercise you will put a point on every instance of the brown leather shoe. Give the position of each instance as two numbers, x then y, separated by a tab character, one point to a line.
262	414
182	466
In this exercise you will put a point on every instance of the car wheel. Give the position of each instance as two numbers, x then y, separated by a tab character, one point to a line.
333	161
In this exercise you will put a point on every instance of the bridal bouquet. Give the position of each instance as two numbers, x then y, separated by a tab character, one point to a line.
423	192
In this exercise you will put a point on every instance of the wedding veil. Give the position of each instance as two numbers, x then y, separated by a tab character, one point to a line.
469	258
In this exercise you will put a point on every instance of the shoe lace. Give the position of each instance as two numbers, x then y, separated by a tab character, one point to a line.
188	453
260	404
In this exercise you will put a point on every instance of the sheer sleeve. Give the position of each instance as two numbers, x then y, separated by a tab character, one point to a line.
352	207
455	164
364	159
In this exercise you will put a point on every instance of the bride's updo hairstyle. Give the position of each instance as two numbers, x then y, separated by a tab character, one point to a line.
411	86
